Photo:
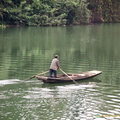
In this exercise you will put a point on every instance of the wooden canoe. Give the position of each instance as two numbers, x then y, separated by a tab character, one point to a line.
61	78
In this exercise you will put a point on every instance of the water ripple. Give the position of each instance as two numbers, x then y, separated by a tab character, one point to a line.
7	82
61	102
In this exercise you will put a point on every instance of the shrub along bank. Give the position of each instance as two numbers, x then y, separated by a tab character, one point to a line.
58	12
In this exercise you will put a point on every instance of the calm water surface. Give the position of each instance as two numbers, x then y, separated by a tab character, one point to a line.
27	51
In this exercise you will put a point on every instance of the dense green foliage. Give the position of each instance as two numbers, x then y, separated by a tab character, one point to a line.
57	12
43	12
104	10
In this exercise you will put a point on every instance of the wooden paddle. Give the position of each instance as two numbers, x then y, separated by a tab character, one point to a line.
37	75
68	76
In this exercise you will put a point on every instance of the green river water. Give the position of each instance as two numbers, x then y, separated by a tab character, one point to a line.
27	51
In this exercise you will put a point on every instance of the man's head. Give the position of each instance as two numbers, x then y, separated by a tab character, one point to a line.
56	56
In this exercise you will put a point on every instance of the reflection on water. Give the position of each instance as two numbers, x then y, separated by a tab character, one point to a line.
26	51
34	100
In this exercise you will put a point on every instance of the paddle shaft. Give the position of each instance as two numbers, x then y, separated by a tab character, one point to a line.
37	75
68	76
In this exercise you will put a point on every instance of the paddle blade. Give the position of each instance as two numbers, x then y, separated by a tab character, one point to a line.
29	78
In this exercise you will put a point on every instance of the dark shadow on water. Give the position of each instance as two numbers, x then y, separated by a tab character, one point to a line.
81	82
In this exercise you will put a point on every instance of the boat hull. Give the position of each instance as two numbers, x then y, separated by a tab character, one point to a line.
62	78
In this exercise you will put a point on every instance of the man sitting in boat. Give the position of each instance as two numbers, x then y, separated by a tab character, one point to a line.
54	66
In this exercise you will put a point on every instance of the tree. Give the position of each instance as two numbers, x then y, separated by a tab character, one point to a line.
82	14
